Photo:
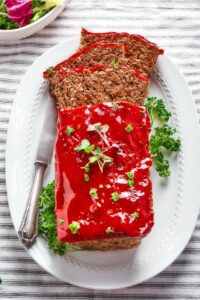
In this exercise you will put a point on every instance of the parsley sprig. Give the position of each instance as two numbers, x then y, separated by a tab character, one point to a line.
156	109
162	137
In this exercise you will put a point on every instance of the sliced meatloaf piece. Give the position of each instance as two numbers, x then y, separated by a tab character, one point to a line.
141	54
96	54
103	188
91	85
111	243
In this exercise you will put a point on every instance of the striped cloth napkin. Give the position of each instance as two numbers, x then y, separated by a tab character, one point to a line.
175	26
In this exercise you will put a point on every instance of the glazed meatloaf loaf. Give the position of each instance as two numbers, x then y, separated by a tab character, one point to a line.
141	54
91	85
103	186
96	54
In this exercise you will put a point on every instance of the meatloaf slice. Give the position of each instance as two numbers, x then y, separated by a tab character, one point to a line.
141	54
112	243
96	54
103	191
91	85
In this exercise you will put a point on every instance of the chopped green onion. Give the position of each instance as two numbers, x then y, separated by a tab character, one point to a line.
115	197
129	128
74	227
109	229
93	193
134	215
114	63
86	177
130	182
69	130
50	69
130	175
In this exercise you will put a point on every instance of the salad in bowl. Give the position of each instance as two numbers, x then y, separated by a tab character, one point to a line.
25	17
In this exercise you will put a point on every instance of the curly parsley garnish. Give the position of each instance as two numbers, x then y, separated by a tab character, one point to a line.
156	109
162	137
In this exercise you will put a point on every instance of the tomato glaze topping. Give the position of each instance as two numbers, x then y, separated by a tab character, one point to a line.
102	172
118	34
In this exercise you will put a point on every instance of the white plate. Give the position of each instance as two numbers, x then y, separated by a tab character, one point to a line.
176	202
20	33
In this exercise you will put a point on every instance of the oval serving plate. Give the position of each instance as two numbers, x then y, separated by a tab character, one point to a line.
176	201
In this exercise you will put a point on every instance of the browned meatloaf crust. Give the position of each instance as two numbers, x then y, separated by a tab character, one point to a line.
141	54
110	243
96	54
91	85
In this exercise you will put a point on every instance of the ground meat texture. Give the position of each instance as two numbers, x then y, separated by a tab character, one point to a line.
96	54
141	54
104	244
91	85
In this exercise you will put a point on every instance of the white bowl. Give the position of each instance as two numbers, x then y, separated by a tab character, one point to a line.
20	33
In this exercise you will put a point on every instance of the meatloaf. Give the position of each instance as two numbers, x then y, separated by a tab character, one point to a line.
103	186
141	54
96	54
90	85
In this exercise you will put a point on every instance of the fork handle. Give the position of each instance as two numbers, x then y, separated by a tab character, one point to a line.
28	227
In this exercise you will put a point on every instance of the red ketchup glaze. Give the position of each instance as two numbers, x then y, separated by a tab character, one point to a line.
118	34
85	50
129	152
63	71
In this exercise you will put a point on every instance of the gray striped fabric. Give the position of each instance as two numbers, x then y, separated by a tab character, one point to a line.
175	26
